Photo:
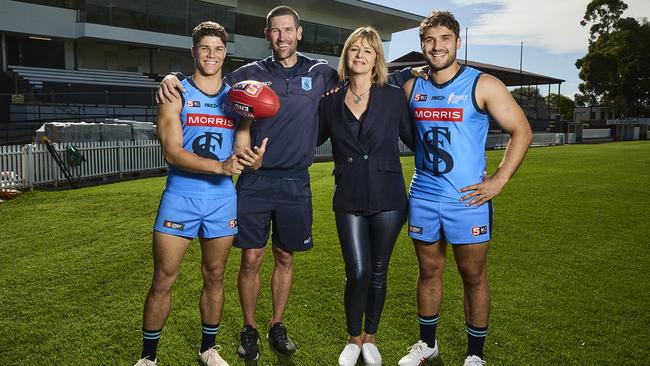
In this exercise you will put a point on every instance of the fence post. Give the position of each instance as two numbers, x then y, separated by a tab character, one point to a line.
28	166
120	157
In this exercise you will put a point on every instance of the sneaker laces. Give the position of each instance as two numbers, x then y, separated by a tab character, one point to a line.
416	348
214	356
280	333
249	338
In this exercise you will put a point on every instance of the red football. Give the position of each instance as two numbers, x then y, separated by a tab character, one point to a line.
253	99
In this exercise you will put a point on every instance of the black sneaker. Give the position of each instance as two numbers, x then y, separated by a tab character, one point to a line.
280	340
248	346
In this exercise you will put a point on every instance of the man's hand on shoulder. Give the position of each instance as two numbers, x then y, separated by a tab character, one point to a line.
169	89
420	72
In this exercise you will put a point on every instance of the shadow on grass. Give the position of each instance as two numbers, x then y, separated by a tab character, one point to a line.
281	360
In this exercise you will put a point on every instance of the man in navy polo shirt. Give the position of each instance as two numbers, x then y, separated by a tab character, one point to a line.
278	195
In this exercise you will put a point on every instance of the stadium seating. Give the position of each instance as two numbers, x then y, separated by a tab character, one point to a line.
35	76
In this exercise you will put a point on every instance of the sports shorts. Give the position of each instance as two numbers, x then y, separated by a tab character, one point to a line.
283	203
189	217
430	221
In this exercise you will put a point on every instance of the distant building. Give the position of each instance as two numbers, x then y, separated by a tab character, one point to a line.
154	36
94	59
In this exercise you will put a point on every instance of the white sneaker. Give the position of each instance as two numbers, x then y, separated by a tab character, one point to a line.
349	355
211	357
371	356
473	361
146	362
418	353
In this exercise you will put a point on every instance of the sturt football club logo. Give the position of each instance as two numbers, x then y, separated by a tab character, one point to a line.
306	83
438	160
205	145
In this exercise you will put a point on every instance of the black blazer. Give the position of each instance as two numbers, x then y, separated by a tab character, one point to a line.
368	172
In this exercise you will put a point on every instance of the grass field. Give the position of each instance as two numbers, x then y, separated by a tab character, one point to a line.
569	268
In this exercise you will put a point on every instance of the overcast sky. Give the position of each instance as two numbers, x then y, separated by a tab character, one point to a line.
552	35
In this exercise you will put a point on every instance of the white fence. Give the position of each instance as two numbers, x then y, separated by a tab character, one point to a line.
32	165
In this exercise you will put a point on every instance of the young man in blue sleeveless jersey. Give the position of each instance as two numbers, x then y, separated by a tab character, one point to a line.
450	196
197	135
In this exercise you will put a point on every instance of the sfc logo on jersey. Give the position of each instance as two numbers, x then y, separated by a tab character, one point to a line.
193	103
420	97
306	83
232	223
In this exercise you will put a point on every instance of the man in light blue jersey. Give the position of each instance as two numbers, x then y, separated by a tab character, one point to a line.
450	195
197	134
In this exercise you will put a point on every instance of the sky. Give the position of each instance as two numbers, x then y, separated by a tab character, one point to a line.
552	36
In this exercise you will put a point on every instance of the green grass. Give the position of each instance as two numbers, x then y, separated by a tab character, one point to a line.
568	265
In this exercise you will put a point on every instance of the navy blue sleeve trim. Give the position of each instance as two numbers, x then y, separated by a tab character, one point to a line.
479	110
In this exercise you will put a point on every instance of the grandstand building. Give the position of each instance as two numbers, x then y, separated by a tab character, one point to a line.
92	59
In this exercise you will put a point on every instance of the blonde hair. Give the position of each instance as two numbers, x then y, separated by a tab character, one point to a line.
370	35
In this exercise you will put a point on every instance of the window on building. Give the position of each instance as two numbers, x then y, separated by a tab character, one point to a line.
199	11
323	39
164	16
98	11
248	25
128	14
68	4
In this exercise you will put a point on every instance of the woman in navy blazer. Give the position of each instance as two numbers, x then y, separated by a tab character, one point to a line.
363	120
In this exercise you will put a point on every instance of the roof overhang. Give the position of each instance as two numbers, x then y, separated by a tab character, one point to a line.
509	76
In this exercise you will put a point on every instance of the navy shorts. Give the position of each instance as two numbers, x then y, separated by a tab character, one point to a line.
431	221
284	203
189	217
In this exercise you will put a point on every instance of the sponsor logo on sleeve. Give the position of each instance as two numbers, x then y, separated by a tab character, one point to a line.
479	230
438	114
209	120
174	225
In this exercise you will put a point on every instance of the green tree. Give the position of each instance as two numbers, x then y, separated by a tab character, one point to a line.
565	104
616	68
527	95
603	15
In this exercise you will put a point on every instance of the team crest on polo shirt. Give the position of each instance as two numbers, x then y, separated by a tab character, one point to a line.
306	83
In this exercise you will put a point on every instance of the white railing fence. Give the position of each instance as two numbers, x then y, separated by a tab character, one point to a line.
32	165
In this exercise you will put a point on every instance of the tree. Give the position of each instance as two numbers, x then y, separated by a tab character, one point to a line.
616	68
527	95
603	14
566	105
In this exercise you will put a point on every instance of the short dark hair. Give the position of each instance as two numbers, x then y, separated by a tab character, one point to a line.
280	11
209	29
440	18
